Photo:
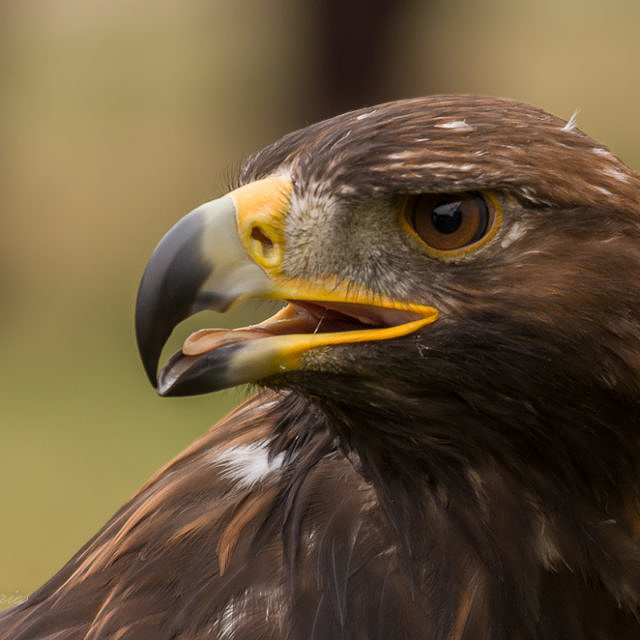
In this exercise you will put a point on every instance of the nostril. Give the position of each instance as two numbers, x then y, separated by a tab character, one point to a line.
267	244
264	244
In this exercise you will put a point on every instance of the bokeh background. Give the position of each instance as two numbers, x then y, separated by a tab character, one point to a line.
118	117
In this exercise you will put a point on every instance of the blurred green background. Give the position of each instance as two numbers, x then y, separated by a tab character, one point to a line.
118	117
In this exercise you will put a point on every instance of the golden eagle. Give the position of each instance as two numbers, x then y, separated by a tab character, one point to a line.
447	442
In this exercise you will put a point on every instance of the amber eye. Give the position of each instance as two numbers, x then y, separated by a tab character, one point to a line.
447	222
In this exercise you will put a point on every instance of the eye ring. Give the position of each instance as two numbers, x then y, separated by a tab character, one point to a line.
453	223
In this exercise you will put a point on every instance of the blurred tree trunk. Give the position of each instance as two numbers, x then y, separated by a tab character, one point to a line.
351	45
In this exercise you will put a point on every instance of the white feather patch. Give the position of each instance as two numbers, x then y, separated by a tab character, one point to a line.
467	166
571	123
362	116
599	151
616	173
602	190
248	463
515	233
456	125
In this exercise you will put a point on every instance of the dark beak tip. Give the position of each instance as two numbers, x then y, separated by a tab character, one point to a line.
185	375
169	290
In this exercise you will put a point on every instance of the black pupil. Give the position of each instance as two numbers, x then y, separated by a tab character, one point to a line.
447	217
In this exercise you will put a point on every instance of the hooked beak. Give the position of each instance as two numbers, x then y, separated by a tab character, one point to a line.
232	249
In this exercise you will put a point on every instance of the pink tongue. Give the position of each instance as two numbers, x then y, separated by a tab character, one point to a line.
209	339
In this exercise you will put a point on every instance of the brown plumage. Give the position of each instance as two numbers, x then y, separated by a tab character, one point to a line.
475	477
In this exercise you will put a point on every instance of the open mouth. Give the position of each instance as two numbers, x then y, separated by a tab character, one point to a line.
308	318
276	345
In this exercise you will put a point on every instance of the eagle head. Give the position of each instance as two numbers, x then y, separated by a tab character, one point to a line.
459	275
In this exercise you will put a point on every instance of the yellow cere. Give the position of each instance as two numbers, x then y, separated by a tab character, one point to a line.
260	214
